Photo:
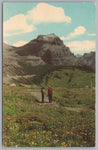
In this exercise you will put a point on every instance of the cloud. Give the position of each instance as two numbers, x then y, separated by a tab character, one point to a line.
62	38
81	46
16	25
92	34
78	31
46	13
42	13
20	43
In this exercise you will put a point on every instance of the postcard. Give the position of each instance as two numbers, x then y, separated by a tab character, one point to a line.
49	70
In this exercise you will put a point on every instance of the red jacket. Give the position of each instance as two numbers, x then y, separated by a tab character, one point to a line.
50	91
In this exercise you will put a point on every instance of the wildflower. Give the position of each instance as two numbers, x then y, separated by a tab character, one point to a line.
63	143
35	144
55	141
12	143
32	143
47	138
27	124
5	144
84	142
67	132
56	135
81	133
8	138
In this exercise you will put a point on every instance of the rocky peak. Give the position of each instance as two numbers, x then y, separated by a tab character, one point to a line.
50	38
88	55
88	61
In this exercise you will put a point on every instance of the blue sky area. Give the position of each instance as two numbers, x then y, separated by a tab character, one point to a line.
74	23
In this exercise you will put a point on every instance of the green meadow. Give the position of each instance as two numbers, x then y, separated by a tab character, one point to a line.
69	121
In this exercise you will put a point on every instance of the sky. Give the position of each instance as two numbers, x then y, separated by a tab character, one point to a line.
74	23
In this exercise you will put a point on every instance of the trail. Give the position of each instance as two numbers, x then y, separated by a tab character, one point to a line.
37	94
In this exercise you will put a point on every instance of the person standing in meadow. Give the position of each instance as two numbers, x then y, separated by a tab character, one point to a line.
50	92
43	93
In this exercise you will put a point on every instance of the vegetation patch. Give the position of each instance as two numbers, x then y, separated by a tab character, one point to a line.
67	122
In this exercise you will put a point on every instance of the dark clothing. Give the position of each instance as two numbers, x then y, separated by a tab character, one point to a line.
50	98
42	98
50	95
43	93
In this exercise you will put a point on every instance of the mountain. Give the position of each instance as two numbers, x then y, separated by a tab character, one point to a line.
49	48
44	50
88	61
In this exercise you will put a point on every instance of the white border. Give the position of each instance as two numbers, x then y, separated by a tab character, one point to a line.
73	148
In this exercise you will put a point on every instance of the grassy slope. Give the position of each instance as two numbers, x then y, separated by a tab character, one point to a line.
70	78
29	123
72	87
59	75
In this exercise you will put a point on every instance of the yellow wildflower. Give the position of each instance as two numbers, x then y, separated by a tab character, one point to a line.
63	143
84	142
56	135
32	143
67	132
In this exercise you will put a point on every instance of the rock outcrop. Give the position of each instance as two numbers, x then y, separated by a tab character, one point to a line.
51	38
87	61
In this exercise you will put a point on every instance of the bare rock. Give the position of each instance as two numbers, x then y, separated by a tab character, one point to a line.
24	85
12	85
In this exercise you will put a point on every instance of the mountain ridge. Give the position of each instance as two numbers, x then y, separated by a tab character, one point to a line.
44	50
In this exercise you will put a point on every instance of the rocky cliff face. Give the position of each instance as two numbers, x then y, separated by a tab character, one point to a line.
51	38
10	62
49	48
87	61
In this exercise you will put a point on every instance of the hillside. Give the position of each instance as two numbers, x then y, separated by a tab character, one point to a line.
10	63
69	77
